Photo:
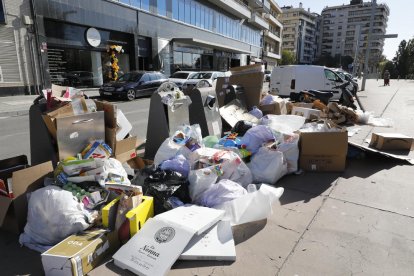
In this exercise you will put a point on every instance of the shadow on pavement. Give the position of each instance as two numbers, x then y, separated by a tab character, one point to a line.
16	260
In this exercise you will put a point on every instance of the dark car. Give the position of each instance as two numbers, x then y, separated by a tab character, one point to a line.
133	84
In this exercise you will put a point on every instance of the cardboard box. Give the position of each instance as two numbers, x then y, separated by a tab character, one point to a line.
308	113
250	77
79	254
13	211
290	105
136	217
391	141
323	151
276	108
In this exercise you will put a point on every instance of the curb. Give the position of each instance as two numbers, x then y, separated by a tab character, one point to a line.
14	113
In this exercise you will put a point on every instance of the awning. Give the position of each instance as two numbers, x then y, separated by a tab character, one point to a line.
204	43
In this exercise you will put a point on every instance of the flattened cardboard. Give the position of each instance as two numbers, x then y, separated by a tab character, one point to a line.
216	244
395	155
391	141
123	125
323	151
234	112
250	77
79	254
13	212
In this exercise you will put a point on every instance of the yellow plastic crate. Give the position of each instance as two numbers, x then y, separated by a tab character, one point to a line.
137	216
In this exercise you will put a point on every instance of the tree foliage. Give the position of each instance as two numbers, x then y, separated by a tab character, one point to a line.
288	57
404	59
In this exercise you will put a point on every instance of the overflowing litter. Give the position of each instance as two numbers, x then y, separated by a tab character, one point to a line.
97	191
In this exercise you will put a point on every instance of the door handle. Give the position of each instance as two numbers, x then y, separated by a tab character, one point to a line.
82	121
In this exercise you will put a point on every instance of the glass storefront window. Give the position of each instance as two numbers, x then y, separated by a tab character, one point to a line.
178	58
187	60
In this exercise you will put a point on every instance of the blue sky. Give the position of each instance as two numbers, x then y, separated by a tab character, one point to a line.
400	21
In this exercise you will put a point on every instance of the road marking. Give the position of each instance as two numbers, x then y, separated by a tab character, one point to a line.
1	118
14	134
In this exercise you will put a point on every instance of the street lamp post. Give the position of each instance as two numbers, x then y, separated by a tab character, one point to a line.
368	48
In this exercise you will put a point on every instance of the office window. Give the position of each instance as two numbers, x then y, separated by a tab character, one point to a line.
181	9
187	12
162	7
175	9
193	13
145	5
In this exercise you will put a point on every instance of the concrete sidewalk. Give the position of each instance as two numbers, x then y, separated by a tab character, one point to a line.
20	105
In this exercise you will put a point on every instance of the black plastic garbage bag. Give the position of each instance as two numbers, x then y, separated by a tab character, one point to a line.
162	185
241	127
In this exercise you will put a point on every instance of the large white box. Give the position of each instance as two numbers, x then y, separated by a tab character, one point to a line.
154	249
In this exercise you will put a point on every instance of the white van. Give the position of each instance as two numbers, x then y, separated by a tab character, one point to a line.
295	78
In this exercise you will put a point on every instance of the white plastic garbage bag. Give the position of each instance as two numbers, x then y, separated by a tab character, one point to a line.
200	180
185	140
283	123
290	149
113	173
53	215
256	137
233	168
252	206
221	192
268	166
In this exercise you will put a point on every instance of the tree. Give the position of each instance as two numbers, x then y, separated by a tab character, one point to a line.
401	59
288	57
390	66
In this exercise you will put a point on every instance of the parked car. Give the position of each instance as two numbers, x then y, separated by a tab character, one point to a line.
78	78
295	78
133	84
267	74
207	76
180	77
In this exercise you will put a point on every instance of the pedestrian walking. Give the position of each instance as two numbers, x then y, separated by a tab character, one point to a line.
386	78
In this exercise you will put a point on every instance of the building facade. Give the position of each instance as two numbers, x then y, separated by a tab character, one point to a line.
345	31
19	70
301	32
73	37
273	36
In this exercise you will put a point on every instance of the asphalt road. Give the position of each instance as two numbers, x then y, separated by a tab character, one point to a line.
14	131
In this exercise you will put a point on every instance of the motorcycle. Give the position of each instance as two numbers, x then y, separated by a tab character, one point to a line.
347	97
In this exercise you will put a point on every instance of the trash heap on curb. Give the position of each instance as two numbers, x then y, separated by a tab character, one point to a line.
102	198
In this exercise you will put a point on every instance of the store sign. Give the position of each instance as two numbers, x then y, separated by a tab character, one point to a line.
93	37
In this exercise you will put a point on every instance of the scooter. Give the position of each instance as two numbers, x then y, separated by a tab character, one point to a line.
347	98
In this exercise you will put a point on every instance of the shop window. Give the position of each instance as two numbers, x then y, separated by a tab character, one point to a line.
206	62
178	58
187	60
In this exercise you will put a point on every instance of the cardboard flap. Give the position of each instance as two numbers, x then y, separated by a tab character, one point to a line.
23	179
126	145
110	113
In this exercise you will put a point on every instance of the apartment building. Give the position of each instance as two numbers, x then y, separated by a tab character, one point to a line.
345	30
300	33
272	36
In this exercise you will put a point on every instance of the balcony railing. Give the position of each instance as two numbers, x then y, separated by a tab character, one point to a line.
235	7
